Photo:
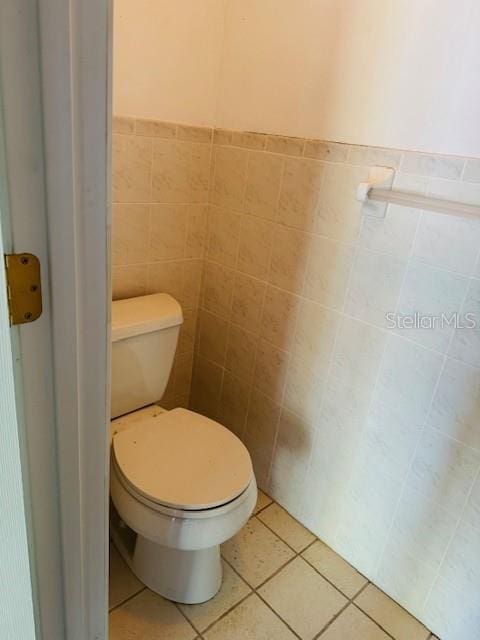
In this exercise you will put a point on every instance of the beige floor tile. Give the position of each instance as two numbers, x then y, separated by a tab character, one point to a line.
232	591
335	568
256	553
262	501
352	624
291	531
149	617
122	584
389	615
251	620
302	598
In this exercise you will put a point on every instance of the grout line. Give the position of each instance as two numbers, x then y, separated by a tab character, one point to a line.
339	613
234	606
297	553
373	620
452	537
130	597
350	600
255	589
335	617
177	606
417	445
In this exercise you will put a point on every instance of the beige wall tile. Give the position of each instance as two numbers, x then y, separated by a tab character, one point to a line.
130	230
338	213
156	128
224	234
166	277
328	151
192	283
247	302
328	271
291	458
218	289
196	231
299	194
230	173
212	336
304	387
255	248
270	370
241	350
188	331
233	406
260	432
168	228
123	124
183	370
279	317
132	168
129	281
194	134
472	170
265	173
315	334
437	166
289	259
181	171
248	139
222	136
206	387
285	146
369	156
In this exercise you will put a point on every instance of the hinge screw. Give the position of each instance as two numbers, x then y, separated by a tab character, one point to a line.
27	315
24	260
33	288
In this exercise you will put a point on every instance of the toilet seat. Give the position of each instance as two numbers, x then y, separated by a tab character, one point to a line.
181	460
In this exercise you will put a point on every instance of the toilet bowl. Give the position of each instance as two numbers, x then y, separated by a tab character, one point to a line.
176	499
180	483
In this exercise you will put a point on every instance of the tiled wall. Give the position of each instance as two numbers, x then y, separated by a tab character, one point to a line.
160	193
370	437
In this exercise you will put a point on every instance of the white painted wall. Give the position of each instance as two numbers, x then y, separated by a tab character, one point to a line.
167	59
393	73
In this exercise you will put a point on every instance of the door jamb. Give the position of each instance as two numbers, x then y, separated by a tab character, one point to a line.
75	44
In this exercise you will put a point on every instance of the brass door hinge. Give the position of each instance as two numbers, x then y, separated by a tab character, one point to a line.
24	289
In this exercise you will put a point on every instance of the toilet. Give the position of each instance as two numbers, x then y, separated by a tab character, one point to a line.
180	483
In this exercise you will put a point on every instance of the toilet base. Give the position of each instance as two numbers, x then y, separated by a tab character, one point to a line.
189	577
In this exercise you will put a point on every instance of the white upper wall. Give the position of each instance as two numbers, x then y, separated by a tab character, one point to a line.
166	59
394	73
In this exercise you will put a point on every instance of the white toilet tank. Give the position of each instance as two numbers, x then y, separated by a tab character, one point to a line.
144	338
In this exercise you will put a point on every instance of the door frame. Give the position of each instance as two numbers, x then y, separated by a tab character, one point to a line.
56	71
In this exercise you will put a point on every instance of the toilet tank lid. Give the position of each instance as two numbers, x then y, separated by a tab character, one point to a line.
144	314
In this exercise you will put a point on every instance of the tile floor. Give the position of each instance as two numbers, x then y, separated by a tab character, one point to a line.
280	582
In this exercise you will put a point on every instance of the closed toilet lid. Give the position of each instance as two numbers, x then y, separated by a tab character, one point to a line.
183	460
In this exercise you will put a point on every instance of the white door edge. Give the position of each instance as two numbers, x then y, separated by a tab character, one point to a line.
65	353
